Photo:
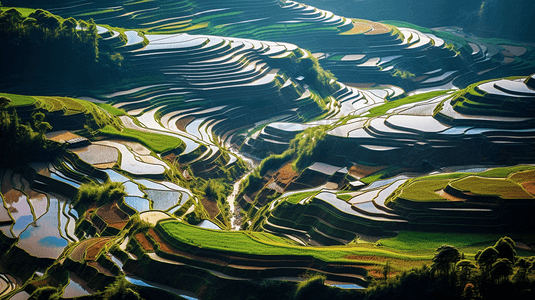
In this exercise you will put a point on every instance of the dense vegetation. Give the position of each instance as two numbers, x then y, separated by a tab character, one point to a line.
43	44
302	152
496	273
147	224
22	143
90	194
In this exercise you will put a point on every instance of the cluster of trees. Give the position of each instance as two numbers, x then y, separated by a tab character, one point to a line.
99	194
302	151
315	76
43	44
22	143
496	273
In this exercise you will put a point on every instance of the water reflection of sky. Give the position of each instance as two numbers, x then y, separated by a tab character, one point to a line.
43	238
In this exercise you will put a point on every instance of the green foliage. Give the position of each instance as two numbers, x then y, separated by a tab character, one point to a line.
302	150
91	193
215	189
42	43
501	269
403	74
22	143
156	142
315	76
311	288
459	42
121	289
305	145
25	12
137	225
274	161
506	248
445	259
490	279
46	293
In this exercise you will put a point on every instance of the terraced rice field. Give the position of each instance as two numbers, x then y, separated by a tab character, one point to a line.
261	245
406	102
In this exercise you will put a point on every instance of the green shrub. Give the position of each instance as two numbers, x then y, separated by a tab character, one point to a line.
89	193
46	293
121	289
215	189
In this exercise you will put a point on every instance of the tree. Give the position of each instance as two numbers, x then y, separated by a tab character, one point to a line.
386	269
506	248
69	28
501	270
521	275
464	268
4	102
447	256
39	123
486	258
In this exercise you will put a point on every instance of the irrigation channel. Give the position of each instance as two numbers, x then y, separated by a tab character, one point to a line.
235	223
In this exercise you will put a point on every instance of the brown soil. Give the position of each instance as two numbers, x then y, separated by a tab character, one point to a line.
105	166
367	258
515	50
166	247
62	135
112	214
171	157
378	28
421	78
359	27
183	122
507	53
523	176
529	186
508	60
449	197
210	206
42	169
12	196
100	268
118	225
34	194
375	271
286	174
144	242
78	254
360	171
93	250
